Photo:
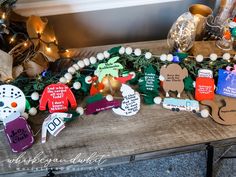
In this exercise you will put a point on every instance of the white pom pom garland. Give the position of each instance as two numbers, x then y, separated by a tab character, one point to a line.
77	85
68	76
213	57
86	62
33	111
148	55
35	96
157	100
204	113
137	52
93	60
80	110
226	56
199	58
128	50
63	80
100	56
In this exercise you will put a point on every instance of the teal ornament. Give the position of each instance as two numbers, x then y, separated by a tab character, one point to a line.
233	32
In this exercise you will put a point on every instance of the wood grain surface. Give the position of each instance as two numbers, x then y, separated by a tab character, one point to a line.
152	129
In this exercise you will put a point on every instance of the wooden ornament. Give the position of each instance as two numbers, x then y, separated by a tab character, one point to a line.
205	88
57	96
172	77
110	68
131	102
101	105
5	66
226	85
225	115
175	104
12	100
18	132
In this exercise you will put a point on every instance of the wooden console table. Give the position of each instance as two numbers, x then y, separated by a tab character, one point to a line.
153	132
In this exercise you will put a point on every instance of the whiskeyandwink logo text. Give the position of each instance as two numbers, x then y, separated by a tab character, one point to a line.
45	161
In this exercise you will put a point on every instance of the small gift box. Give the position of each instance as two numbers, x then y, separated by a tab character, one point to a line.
227	82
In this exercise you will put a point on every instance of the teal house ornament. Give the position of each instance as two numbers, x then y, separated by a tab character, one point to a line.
110	68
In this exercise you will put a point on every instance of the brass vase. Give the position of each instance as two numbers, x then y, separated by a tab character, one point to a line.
200	13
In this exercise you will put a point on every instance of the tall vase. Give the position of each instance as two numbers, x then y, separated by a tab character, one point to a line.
200	13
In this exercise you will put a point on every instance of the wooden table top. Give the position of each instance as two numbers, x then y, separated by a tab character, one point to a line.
152	129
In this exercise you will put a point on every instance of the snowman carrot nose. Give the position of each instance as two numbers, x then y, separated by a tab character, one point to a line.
13	104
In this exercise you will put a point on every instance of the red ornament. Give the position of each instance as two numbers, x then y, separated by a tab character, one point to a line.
123	80
96	86
57	97
204	88
234	19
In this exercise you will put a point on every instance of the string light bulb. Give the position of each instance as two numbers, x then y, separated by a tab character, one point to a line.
48	49
3	16
25	44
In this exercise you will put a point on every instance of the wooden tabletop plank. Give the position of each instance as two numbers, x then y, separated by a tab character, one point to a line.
152	129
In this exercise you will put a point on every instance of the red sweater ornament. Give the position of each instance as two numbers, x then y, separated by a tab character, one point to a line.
57	97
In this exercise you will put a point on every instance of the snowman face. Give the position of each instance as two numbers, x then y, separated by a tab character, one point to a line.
12	100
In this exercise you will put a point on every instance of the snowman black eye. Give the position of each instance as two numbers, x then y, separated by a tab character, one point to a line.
1	104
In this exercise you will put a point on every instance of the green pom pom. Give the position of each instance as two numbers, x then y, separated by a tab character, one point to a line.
181	55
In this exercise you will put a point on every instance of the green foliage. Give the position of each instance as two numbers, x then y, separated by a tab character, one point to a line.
188	84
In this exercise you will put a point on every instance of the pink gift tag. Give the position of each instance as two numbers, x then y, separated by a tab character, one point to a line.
18	132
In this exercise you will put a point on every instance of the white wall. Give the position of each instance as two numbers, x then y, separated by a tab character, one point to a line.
139	23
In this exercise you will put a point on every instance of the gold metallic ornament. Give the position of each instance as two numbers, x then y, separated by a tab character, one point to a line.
111	85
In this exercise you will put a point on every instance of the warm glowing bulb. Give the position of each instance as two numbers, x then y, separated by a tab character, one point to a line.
12	39
67	50
48	49
229	61
3	16
25	44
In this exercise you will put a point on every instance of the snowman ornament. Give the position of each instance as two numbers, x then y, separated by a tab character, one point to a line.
12	100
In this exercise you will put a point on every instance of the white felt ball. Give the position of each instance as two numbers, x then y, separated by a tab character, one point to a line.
63	80
148	55
33	111
100	56
68	76
137	52
80	110
35	96
109	98
170	57
75	66
226	56
86	62
199	58
77	85
71	70
25	115
93	60
194	84
157	100
204	113
122	50
88	79
128	50
106	54
81	63
163	57
213	57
